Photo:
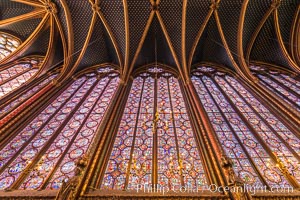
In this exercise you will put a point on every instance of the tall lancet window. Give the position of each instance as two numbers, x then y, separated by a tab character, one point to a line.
15	75
283	85
43	153
8	44
17	99
155	143
249	133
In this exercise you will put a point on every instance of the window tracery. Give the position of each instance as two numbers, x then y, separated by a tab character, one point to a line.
14	76
248	132
155	143
9	106
8	44
283	85
43	154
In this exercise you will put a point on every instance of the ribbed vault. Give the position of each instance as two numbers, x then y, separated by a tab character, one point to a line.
89	32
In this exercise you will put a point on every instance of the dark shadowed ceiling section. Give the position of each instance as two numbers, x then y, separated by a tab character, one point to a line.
9	9
139	13
210	47
163	52
107	45
253	17
99	48
266	47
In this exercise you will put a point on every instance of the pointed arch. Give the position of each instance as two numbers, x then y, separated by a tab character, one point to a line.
155	143
245	129
60	133
8	44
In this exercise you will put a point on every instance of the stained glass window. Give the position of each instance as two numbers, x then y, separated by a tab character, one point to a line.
155	143
8	44
8	106
282	84
43	153
14	76
248	132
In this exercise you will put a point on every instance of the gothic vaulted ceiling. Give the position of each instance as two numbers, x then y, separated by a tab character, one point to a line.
130	33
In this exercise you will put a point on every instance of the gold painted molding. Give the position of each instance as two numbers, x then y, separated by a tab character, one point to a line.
292	64
69	39
169	43
183	42
256	32
294	37
83	50
26	44
49	50
247	76
140	45
196	41
127	37
240	51
112	38
34	14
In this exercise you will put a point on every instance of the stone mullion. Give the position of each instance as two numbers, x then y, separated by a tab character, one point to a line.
155	140
236	136
18	62
268	125
281	84
254	132
33	136
175	133
15	76
275	91
8	97
11	96
37	104
292	76
285	115
210	158
16	94
43	150
276	105
134	136
107	133
49	177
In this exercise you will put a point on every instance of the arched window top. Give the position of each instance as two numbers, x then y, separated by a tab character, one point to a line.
8	44
155	71
155	143
280	82
254	138
42	154
14	75
209	70
269	69
98	72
